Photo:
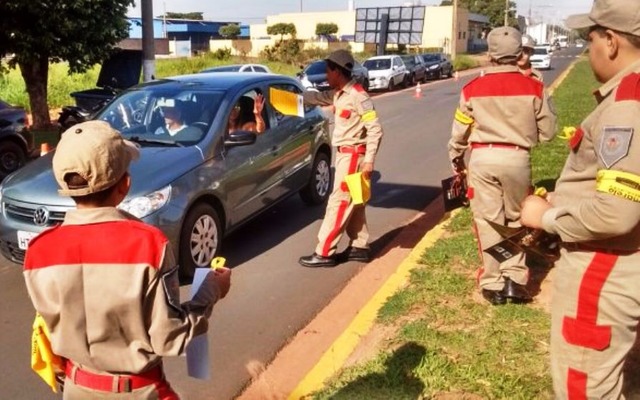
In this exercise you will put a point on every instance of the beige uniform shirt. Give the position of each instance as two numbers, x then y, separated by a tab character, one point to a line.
533	73
597	197
356	121
503	106
107	288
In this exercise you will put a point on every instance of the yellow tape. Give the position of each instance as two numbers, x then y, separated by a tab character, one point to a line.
618	183
463	118
567	132
369	116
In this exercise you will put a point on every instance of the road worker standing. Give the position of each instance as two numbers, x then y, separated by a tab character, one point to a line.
501	116
595	210
356	138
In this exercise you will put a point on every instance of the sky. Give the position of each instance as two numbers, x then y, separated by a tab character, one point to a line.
255	11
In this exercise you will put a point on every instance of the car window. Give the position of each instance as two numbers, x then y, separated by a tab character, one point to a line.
280	117
409	61
378	64
397	62
258	68
230	68
241	115
430	57
315	68
540	50
145	113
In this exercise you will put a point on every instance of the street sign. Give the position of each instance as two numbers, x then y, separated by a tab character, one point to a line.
404	25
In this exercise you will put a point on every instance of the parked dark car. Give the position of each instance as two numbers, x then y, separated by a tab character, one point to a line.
16	141
438	65
118	72
314	76
198	185
417	69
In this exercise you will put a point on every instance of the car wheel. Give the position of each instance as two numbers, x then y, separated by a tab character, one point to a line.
318	188
391	86
12	157
439	74
200	239
365	85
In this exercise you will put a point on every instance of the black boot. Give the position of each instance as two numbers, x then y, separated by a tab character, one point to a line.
516	292
495	297
316	260
357	254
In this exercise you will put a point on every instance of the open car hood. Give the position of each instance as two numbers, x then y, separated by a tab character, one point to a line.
121	70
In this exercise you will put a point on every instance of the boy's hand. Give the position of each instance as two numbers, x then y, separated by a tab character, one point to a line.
222	277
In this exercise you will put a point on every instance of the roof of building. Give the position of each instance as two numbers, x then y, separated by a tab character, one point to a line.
478	18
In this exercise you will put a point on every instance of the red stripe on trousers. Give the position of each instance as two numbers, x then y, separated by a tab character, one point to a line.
583	329
337	226
576	385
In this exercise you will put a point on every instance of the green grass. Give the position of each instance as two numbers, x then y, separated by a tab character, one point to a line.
448	344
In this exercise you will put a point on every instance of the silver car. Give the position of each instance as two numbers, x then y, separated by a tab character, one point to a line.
200	184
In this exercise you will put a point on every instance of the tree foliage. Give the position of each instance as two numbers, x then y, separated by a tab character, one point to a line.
326	29
230	31
282	29
80	32
493	9
190	15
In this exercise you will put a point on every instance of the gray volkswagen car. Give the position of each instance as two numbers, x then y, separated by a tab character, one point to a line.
198	184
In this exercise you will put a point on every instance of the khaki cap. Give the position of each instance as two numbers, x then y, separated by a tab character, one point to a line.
619	15
342	58
96	152
527	41
504	42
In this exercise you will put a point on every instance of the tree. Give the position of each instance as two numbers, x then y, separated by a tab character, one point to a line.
326	30
282	29
80	32
446	3
493	9
230	31
198	16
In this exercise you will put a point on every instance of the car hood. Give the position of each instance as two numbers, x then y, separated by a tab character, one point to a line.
156	168
431	63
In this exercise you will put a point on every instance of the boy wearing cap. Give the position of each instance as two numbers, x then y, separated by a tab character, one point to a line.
105	283
524	62
595	210
501	116
356	137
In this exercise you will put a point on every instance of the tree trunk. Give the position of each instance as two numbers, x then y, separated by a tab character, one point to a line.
35	74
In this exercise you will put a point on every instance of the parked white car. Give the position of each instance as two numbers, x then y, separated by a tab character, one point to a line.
239	68
541	58
385	72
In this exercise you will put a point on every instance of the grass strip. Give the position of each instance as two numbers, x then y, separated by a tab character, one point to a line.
447	343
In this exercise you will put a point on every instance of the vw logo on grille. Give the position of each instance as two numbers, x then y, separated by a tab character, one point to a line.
41	216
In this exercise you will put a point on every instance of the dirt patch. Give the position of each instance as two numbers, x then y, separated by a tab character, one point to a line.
456	396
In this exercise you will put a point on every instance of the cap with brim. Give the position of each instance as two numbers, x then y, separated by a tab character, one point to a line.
618	15
342	58
579	21
96	152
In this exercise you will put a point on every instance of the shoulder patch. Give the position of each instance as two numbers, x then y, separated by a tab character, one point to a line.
358	88
629	88
614	144
367	105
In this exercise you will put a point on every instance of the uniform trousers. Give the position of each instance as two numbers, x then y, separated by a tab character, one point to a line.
159	391
341	214
500	178
595	312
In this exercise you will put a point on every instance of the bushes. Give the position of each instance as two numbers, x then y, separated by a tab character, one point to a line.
222	54
463	62
287	51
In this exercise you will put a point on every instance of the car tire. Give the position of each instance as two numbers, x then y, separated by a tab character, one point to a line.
318	188
200	239
12	157
365	85
440	74
391	86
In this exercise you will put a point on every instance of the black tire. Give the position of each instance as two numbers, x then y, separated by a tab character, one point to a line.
12	157
200	239
318	188
391	86
365	85
439	74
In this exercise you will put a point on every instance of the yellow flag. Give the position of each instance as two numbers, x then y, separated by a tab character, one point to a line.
359	187
286	102
43	361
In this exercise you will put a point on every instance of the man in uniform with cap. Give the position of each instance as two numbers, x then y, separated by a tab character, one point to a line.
595	210
105	283
524	62
501	116
356	137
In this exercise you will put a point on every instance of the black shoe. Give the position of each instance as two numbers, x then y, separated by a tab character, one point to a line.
494	297
357	254
515	292
316	260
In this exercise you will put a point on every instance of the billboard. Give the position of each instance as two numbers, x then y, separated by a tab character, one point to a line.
404	24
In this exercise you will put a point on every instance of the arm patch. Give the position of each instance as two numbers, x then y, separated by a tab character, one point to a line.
620	184
463	118
614	144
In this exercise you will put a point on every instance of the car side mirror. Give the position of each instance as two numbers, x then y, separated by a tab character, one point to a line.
240	138
395	67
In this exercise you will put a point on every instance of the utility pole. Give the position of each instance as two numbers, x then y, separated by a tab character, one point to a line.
506	12
300	5
454	31
148	42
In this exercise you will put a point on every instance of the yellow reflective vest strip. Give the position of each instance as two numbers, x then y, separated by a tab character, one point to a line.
463	118
369	116
618	183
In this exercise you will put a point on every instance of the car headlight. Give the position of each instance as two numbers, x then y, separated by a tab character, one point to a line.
144	205
433	67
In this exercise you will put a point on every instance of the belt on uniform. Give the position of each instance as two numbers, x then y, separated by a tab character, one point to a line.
113	383
498	146
357	149
574	246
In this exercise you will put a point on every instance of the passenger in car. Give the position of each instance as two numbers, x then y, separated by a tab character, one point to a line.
246	115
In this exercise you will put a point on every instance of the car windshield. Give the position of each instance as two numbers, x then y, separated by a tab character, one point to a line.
318	67
231	68
379	64
431	57
540	50
409	61
155	115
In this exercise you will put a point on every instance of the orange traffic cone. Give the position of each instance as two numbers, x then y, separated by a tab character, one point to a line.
418	91
456	76
482	73
44	148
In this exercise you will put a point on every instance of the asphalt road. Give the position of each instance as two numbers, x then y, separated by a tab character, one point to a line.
272	297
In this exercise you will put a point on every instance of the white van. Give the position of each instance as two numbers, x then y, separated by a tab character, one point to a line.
385	72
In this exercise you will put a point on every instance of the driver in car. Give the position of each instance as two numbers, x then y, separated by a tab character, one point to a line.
173	121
